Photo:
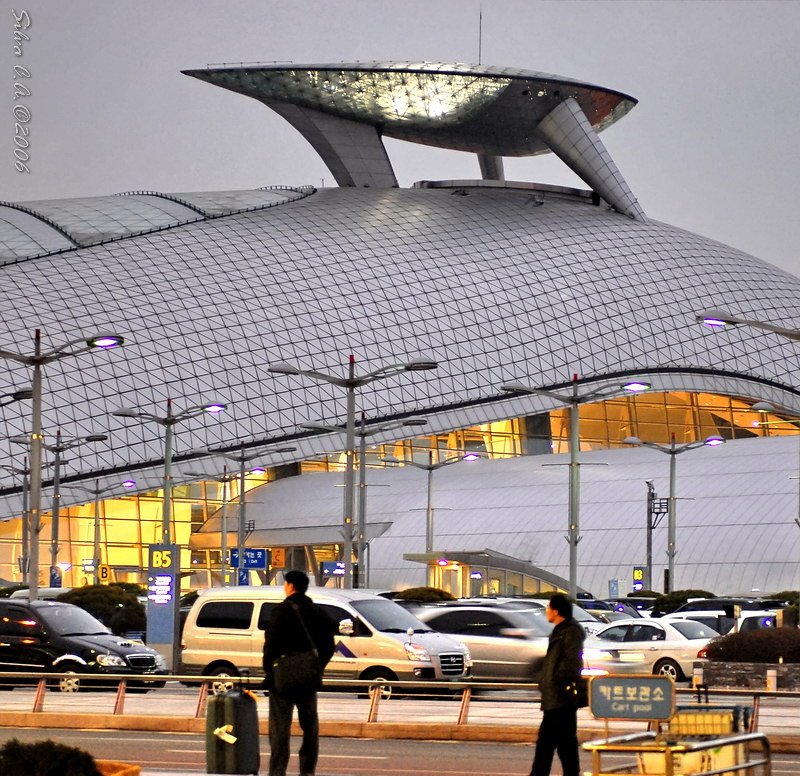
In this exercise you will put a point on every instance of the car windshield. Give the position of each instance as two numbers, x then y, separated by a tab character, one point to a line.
388	617
693	630
68	620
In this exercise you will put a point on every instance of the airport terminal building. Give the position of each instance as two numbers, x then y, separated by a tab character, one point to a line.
565	292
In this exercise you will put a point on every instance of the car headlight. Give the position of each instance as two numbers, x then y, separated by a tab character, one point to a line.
110	660
417	652
467	655
161	661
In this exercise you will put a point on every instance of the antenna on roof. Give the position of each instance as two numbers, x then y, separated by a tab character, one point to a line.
480	32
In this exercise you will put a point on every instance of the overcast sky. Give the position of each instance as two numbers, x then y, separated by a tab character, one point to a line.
712	146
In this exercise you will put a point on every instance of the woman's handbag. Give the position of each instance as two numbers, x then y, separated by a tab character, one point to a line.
298	672
577	693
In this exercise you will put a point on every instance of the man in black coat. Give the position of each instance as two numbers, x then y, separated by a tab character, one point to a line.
561	667
285	635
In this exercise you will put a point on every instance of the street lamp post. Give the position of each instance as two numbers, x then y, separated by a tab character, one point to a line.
350	384
430	468
169	421
363	432
163	616
720	319
673	450
223	479
61	446
18	394
96	492
39	359
242	458
573	401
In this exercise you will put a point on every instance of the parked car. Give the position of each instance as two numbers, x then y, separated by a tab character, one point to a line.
609	615
635	646
724	623
712	604
51	636
377	639
642	604
44	593
507	643
588	622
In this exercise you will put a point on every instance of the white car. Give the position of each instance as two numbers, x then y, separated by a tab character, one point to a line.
646	646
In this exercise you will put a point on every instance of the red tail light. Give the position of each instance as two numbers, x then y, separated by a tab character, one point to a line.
702	653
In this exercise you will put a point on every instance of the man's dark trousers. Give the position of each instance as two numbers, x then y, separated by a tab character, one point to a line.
557	733
280	726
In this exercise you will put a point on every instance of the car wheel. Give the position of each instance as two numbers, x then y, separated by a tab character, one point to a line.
223	682
669	668
70	682
387	691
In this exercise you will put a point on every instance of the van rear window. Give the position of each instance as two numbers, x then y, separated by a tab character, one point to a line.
226	614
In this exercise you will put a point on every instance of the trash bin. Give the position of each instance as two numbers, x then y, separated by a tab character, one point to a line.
232	733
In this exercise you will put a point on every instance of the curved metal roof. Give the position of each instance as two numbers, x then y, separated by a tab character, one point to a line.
35	228
476	108
736	509
496	284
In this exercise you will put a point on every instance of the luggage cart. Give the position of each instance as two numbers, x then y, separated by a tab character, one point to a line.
683	741
649	753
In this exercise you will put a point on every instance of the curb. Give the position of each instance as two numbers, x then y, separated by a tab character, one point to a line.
428	731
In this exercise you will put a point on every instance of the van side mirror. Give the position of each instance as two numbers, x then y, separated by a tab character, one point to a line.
346	627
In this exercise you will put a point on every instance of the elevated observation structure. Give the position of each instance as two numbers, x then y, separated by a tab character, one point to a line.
345	110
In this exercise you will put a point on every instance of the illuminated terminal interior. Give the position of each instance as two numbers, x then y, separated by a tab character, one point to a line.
128	524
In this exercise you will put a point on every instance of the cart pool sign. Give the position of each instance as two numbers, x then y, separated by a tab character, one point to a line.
632	697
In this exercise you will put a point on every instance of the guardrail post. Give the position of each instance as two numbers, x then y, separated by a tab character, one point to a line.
119	702
754	718
202	700
38	700
375	693
463	713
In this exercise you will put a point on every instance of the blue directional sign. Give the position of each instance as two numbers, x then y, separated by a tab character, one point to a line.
244	577
632	697
253	558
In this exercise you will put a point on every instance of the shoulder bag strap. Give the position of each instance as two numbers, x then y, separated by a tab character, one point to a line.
305	629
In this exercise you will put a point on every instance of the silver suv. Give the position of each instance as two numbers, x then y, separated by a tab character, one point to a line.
507	643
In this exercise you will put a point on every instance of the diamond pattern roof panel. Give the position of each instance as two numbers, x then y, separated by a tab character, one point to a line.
493	289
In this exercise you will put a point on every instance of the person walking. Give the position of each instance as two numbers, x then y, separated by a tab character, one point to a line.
561	670
296	625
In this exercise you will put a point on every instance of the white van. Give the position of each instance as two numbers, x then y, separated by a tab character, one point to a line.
377	638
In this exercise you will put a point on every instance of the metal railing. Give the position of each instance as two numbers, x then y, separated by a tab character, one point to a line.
377	692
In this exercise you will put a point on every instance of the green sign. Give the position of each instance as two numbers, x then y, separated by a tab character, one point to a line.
632	697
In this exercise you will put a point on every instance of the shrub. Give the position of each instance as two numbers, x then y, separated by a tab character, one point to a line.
765	645
134	588
45	758
115	608
426	595
644	594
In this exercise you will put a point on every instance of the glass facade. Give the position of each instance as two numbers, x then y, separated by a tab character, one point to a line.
128	525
